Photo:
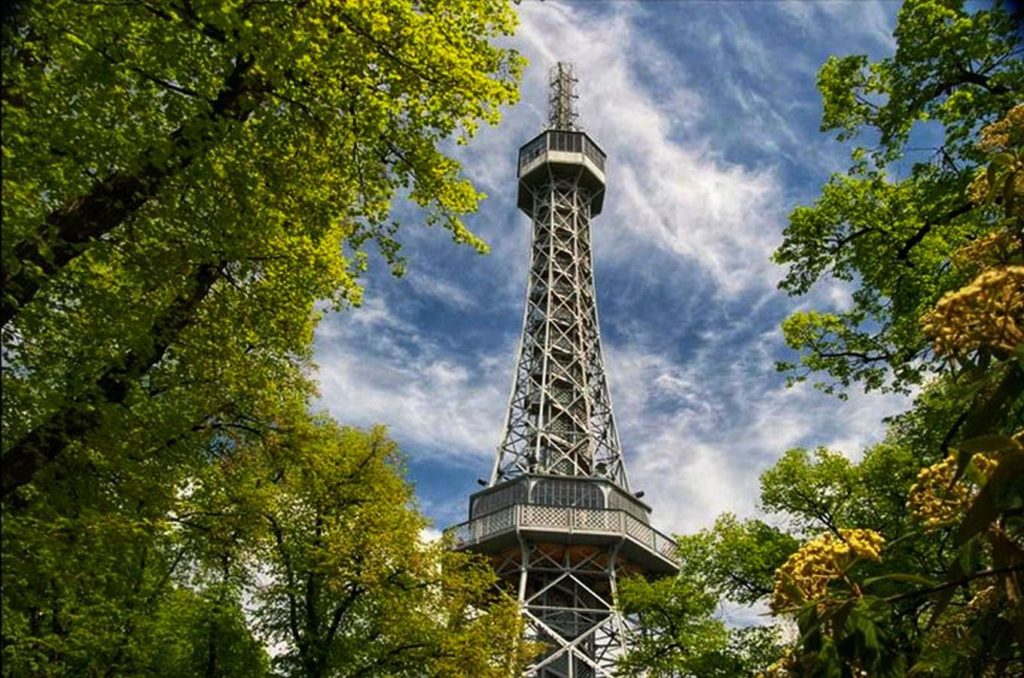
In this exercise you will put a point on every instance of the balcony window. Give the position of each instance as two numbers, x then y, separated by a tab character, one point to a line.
556	492
506	496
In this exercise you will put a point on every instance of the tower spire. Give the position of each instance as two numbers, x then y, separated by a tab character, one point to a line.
558	519
562	113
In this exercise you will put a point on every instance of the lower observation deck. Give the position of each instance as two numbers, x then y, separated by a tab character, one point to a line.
516	521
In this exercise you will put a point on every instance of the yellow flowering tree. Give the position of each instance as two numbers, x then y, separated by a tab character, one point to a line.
842	588
911	560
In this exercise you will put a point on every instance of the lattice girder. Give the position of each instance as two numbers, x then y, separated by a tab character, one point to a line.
557	519
560	418
568	603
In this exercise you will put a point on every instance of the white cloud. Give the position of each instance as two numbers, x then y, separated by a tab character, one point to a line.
874	17
379	370
439	290
718	218
697	435
429	534
680	220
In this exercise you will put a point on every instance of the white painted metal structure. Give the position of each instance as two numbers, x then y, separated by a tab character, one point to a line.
557	518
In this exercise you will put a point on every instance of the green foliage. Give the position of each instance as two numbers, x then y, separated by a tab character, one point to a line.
204	635
913	557
352	590
735	559
955	71
187	186
98	595
934	256
310	524
182	184
678	634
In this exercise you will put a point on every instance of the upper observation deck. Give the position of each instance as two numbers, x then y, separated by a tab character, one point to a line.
561	153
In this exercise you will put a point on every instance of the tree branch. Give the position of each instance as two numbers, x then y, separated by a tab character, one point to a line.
78	417
919	235
66	232
956	582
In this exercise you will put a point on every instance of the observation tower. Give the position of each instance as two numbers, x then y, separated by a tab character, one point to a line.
557	518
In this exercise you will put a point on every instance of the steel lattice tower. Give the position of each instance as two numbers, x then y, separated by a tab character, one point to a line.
557	518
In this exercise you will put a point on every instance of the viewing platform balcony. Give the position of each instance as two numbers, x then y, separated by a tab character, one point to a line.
561	153
547	509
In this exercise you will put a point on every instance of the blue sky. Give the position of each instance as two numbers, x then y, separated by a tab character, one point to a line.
709	114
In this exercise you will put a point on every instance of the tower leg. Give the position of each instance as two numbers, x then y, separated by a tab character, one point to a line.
567	595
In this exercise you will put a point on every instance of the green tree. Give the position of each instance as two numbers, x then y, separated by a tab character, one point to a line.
184	181
679	632
301	537
930	586
953	72
350	589
187	186
912	561
204	635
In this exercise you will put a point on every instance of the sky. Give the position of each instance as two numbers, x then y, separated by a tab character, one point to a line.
710	117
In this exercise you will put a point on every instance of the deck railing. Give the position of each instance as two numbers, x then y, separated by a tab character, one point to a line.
564	519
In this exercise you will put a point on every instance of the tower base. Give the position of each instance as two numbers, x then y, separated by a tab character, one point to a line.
567	593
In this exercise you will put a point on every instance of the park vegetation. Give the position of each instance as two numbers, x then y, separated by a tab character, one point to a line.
188	186
910	561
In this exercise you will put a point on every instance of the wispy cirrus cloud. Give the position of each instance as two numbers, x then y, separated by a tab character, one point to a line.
664	191
709	115
700	433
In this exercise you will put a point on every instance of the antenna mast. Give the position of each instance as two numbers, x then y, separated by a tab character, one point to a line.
562	113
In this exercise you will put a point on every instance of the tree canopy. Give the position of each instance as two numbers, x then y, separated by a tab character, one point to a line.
910	561
188	186
953	72
184	181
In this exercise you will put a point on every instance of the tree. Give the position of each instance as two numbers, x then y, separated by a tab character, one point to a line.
219	169
937	261
301	537
187	186
910	562
348	588
678	632
953	72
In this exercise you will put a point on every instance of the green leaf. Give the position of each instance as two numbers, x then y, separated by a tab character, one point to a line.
963	566
989	443
1003	491
901	576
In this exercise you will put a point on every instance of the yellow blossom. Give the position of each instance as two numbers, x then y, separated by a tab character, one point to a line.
1004	134
993	249
806	574
985	599
987	313
1004	176
935	500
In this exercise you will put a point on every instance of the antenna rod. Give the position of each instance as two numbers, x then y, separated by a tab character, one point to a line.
562	102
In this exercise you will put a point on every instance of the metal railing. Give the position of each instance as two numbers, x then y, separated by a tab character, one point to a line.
564	519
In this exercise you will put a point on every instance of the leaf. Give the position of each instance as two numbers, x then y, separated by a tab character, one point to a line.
901	576
829	662
989	443
1003	491
964	565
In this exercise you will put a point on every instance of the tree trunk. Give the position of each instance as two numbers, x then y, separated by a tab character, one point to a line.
77	418
67	232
